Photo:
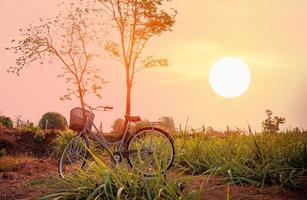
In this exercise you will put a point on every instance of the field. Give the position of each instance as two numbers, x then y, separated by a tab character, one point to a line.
259	166
220	64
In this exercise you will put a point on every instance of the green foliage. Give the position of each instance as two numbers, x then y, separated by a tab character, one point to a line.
150	19
6	121
270	124
28	127
39	136
261	159
60	142
53	120
101	182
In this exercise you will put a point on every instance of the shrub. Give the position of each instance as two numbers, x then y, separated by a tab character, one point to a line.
53	120
6	121
168	123
28	127
118	126
39	136
270	124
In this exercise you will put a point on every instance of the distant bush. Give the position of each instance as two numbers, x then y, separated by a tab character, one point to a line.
118	126
28	127
53	120
271	124
142	124
6	121
168	123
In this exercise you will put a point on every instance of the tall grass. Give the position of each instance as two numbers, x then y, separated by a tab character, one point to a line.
261	159
63	137
99	181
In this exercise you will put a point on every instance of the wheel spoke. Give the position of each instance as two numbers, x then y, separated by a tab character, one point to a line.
73	156
153	152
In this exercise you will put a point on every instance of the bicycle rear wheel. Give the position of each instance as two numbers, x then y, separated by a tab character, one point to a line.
151	151
73	157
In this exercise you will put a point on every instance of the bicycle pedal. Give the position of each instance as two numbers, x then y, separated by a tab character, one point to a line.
117	157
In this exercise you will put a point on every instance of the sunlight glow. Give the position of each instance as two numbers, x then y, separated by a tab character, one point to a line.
229	77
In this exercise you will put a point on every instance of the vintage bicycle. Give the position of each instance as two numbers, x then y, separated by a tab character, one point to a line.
148	149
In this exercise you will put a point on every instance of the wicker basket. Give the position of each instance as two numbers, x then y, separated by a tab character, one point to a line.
78	118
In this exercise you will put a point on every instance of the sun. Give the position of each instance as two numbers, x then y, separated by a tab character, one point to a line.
229	77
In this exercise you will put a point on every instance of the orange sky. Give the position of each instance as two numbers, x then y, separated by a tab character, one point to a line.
270	36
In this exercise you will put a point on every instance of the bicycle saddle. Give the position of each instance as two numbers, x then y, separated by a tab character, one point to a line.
133	118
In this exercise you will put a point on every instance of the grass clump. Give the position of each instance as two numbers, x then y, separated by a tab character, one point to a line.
39	136
60	142
28	127
101	182
261	159
9	163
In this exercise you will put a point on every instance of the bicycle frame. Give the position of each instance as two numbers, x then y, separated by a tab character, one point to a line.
103	142
101	139
123	148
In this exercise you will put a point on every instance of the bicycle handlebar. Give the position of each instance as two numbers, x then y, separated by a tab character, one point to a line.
104	108
108	108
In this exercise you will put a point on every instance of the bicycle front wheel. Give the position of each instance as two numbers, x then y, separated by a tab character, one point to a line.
151	151
73	157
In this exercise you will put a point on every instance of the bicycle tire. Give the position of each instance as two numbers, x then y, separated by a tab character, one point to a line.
164	133
60	162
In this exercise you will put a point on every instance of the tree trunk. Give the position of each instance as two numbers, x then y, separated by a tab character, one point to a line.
82	102
128	99
81	95
128	93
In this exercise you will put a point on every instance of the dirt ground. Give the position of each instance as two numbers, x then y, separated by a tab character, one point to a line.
20	179
16	142
217	189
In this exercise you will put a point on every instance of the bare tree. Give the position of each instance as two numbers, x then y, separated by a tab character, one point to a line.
70	39
136	21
